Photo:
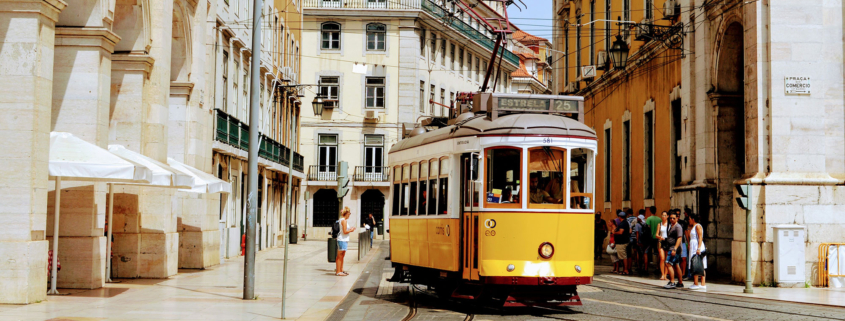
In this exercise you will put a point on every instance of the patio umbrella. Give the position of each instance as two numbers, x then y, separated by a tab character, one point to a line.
162	176
75	159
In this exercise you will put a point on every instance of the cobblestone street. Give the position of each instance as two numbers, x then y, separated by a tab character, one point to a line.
608	298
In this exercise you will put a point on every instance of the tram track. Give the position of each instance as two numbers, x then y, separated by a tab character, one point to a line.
413	308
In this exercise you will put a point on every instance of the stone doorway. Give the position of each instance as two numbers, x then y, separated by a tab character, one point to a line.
730	119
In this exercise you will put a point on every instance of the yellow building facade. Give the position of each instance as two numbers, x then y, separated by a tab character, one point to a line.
704	104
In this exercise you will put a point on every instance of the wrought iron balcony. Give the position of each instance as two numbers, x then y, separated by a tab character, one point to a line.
233	132
371	173
435	10
322	173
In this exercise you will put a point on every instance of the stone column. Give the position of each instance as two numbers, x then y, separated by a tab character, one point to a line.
81	105
27	32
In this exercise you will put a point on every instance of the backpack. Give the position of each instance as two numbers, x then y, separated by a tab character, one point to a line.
335	229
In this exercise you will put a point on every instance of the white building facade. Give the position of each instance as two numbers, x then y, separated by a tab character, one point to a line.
139	73
381	64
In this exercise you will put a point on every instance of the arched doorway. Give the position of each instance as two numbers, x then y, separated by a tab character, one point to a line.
372	201
731	125
326	209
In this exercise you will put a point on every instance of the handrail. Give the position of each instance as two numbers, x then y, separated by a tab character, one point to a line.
824	271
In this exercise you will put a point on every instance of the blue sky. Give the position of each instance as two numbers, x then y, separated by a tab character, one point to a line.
536	19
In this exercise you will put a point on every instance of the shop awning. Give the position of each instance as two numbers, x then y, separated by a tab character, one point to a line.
72	158
203	182
163	174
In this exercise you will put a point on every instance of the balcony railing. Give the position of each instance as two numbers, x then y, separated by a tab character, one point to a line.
322	173
468	31
371	173
235	133
364	4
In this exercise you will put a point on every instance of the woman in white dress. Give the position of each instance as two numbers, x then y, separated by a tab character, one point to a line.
696	247
661	237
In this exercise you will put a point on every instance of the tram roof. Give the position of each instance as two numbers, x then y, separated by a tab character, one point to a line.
512	124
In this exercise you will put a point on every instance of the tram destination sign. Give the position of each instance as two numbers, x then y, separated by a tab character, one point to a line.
537	105
496	104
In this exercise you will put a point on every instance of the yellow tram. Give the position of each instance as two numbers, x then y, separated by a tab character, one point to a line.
499	204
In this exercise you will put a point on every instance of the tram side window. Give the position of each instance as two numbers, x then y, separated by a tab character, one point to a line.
406	174
443	208
581	172
546	181
434	173
415	170
423	191
502	179
397	179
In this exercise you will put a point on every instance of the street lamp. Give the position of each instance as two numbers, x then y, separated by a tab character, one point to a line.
317	104
619	53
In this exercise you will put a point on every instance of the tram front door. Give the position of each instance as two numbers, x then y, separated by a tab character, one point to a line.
469	218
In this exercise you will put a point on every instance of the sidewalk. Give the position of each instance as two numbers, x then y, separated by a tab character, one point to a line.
834	297
213	294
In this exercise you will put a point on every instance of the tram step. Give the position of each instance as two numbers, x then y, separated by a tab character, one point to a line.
517	300
467	292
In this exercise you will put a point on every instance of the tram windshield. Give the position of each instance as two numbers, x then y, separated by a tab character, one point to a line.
503	166
545	167
580	173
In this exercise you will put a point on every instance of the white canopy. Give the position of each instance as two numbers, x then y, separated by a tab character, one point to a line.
75	159
163	175
203	182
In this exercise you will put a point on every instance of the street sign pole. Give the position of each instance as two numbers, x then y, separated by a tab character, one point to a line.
745	201
254	116
289	204
748	280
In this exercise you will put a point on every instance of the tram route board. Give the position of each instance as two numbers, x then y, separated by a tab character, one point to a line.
495	104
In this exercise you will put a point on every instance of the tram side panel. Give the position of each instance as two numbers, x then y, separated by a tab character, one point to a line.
425	242
400	251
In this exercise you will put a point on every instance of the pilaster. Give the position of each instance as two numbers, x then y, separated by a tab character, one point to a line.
26	84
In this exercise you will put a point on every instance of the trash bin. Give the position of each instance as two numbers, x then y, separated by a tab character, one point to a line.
332	254
381	228
293	234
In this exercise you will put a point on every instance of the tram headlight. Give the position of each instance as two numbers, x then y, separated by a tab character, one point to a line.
578	268
546	250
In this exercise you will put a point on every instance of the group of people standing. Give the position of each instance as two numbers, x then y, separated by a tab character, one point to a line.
677	240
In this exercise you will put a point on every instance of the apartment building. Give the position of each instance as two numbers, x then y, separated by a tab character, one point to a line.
704	102
279	75
534	75
381	64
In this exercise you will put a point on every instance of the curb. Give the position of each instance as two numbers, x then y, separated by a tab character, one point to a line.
740	295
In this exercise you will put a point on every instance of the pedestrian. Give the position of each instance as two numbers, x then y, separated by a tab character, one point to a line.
674	237
661	237
685	256
599	236
639	244
652	225
697	248
622	237
343	241
611	247
371	221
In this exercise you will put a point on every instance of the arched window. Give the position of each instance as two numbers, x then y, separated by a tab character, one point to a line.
331	36
376	36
